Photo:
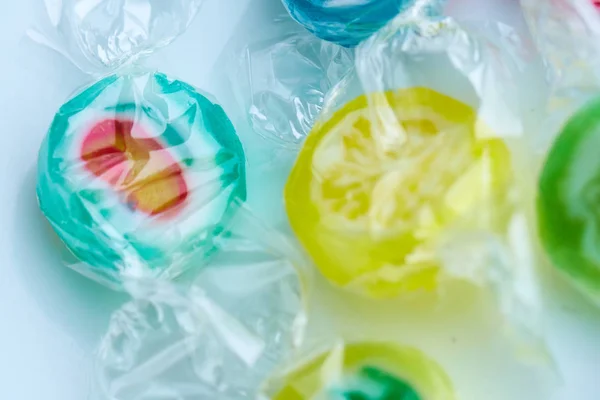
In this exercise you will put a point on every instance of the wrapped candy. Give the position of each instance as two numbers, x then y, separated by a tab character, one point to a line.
346	22
567	33
379	179
283	78
103	35
350	189
364	371
569	191
216	339
140	172
408	180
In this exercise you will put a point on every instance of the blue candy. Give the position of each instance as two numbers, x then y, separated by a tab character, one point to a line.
346	22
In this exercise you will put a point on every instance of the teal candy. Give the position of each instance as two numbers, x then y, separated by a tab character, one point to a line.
347	22
97	223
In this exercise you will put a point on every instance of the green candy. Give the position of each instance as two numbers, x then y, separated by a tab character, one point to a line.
568	204
371	383
376	384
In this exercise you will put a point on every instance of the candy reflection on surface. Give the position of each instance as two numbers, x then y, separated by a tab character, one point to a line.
139	170
373	371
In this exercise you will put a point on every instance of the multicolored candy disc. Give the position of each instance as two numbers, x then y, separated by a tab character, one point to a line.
345	22
140	168
376	184
368	371
569	200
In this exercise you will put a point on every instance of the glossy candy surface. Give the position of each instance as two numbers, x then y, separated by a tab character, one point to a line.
140	169
376	185
368	371
345	22
569	201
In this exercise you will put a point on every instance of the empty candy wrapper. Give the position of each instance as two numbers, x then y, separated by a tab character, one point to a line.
99	36
219	337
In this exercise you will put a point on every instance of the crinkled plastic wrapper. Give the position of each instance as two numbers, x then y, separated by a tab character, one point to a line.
218	338
282	79
144	179
567	34
99	36
415	174
139	175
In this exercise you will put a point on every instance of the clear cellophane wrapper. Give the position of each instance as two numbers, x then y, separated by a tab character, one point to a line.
139	174
143	177
217	294
101	36
566	35
215	326
216	334
280	76
418	172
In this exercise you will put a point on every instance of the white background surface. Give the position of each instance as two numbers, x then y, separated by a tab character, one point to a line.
51	318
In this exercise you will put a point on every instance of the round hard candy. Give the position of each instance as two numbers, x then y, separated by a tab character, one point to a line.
376	185
139	169
367	371
568	203
346	22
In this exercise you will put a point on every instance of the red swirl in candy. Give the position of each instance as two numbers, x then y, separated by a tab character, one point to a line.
119	152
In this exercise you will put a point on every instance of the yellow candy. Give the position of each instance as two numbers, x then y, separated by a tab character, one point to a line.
369	371
376	184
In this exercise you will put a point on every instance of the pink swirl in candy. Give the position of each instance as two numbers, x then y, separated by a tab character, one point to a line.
119	152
